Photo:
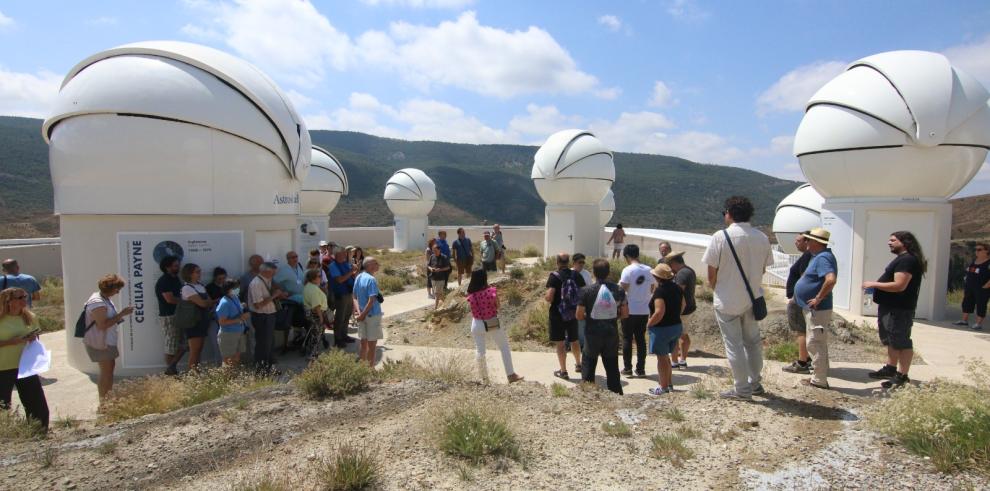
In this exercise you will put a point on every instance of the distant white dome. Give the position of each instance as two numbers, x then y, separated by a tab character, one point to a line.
324	185
607	207
410	193
897	124
573	166
174	128
797	212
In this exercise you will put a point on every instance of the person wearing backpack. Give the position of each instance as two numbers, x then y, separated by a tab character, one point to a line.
602	305
638	283
563	294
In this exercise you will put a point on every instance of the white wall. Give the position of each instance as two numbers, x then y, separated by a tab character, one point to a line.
41	258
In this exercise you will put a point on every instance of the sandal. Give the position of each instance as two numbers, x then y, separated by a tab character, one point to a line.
515	378
561	374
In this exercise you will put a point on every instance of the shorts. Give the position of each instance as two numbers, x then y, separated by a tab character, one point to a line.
489	266
439	288
199	330
617	246
98	355
370	329
894	327
173	335
561	329
795	318
663	340
464	267
231	343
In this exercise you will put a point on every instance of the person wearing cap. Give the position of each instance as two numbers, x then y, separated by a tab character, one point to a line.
664	324
733	303
813	293
795	315
325	251
685	278
489	250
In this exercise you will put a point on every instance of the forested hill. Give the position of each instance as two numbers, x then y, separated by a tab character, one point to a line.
474	183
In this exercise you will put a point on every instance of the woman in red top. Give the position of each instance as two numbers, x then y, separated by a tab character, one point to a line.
484	312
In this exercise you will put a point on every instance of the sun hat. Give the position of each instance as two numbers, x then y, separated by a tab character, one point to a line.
817	234
662	271
672	255
324	243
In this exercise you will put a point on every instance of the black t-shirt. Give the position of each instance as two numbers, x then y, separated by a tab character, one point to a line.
671	294
977	275
171	284
589	295
556	282
907	299
440	261
797	270
215	291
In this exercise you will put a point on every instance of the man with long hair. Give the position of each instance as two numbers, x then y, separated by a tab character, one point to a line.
896	296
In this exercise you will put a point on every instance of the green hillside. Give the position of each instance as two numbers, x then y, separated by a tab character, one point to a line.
475	182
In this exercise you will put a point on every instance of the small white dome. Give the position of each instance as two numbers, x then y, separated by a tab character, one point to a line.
607	207
324	185
797	212
897	124
573	166
410	193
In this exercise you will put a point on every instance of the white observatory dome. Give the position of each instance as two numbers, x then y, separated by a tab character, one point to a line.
797	212
410	193
573	167
607	207
324	185
901	124
174	128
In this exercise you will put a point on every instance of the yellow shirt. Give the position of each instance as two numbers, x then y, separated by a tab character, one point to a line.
313	296
12	326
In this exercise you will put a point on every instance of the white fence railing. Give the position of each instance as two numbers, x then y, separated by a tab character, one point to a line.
776	275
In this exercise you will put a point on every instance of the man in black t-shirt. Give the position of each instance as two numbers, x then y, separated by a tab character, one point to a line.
976	287
896	296
560	328
439	268
795	315
167	291
601	311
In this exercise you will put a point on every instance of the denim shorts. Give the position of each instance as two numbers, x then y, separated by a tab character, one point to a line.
664	339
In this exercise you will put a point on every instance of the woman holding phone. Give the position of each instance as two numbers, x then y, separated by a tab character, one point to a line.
18	327
102	318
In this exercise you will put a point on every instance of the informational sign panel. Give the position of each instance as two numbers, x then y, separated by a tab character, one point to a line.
839	224
141	338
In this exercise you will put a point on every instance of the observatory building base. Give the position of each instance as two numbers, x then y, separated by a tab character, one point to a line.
572	228
310	230
410	233
859	232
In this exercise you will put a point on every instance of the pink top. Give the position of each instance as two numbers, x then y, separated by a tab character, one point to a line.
483	303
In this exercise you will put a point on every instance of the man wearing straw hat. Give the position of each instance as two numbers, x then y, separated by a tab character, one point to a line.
813	293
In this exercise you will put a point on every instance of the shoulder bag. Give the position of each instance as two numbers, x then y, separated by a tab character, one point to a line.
760	303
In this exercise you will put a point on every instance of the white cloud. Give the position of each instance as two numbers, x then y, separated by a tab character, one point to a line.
102	21
612	22
27	94
792	91
442	4
686	10
662	95
470	56
5	21
542	121
973	58
298	99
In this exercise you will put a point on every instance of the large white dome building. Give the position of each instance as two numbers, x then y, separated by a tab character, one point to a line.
168	148
322	189
797	212
411	195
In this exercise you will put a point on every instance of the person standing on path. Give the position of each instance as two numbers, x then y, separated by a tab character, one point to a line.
254	267
442	243
489	252
18	328
685	278
896	296
428	255
602	305
579	268
665	327
342	274
813	293
12	278
231	317
439	270
795	316
101	318
263	298
617	239
500	251
563	290
483	299
976	289
463	255
733	301
367	303
638	283
167	290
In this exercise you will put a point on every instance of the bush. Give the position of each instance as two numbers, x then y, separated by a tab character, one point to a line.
447	367
558	389
944	421
617	429
391	284
511	294
15	427
517	273
533	325
334	374
50	310
349	468
781	351
161	394
473	431
530	251
670	447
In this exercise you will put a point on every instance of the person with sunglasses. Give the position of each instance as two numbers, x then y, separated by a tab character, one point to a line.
976	289
18	327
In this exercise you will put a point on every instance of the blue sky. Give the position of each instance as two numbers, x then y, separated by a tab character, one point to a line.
721	82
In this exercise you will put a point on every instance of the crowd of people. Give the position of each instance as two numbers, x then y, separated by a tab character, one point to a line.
648	307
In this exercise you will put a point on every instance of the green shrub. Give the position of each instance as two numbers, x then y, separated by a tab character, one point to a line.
671	448
517	273
781	351
687	432
266	482
558	389
66	422
511	294
391	284
704	389
349	468
673	414
945	421
15	427
533	325
50	309
475	430
530	251
617	429
334	374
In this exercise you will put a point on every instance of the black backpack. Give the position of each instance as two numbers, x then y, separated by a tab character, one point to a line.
81	326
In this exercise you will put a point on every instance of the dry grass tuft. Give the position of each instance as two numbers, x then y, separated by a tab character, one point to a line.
617	429
349	468
476	429
671	448
334	374
444	366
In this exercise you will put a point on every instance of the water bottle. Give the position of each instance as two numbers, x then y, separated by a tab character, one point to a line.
868	298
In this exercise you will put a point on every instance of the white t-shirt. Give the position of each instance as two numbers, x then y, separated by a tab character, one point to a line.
640	287
588	280
190	290
97	301
754	253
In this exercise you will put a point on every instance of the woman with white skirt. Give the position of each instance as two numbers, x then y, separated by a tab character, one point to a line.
484	323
